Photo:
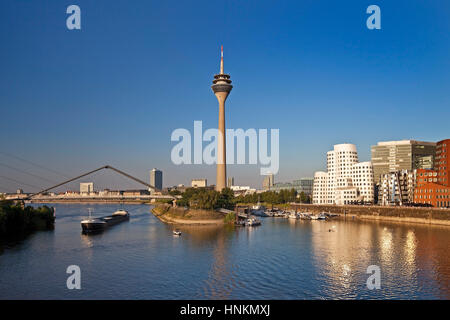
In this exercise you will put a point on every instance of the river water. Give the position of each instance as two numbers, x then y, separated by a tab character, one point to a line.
282	259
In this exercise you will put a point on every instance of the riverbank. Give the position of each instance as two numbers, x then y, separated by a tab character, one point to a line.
18	222
171	215
93	201
434	216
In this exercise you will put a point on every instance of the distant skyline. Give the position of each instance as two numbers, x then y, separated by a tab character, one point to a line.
112	92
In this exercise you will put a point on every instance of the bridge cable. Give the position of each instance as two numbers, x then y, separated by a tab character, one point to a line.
28	173
26	184
34	164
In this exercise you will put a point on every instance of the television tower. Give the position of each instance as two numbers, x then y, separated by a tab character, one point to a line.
222	88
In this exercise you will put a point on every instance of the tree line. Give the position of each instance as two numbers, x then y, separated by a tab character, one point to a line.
209	199
17	221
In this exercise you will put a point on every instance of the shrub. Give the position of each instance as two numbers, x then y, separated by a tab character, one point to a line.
230	217
16	221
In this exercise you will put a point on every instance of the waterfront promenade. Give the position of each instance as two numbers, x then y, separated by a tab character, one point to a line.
435	216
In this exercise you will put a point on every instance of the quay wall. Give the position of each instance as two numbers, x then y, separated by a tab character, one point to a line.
434	216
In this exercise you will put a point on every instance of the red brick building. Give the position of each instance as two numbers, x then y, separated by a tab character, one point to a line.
432	186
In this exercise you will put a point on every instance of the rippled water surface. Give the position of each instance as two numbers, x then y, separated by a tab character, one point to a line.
282	259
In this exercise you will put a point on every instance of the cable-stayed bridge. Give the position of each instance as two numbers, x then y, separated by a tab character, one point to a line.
41	196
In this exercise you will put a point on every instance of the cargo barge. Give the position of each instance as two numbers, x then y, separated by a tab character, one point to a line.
100	224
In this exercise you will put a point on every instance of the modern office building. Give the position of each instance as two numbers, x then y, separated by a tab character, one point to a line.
86	188
346	179
397	188
222	88
393	156
268	181
230	182
433	186
304	185
156	179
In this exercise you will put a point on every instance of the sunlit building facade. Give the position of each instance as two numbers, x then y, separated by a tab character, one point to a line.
433	187
346	180
397	188
393	156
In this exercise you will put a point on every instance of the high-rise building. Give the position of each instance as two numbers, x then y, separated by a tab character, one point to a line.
268	181
433	186
86	188
222	88
230	182
393	156
346	179
156	179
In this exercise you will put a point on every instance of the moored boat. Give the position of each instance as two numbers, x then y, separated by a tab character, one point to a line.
294	215
252	222
305	216
321	216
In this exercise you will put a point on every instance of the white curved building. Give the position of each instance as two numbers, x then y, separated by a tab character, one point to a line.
362	178
320	194
346	180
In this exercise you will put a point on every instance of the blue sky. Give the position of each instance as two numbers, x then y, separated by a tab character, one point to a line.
114	91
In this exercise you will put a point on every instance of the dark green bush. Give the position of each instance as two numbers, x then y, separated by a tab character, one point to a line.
16	220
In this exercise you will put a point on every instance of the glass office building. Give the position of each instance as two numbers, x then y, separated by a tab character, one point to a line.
393	156
302	185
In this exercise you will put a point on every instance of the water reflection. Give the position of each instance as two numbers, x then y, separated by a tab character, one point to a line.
410	250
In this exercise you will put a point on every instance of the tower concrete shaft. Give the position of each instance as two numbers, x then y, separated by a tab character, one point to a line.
221	88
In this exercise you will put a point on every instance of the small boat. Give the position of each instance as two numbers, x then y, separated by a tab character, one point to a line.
331	215
279	214
294	215
305	215
252	222
301	215
321	217
100	224
176	232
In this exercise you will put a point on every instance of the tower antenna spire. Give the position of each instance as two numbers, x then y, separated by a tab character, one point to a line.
221	59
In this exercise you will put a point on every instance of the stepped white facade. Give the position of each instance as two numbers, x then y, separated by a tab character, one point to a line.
346	179
319	194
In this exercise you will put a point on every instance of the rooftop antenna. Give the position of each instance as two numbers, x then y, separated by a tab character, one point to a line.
221	60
